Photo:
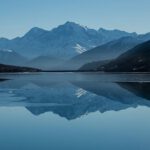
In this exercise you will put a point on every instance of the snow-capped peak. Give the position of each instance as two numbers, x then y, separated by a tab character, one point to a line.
79	49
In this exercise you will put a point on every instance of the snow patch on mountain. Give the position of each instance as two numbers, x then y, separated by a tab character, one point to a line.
79	49
80	92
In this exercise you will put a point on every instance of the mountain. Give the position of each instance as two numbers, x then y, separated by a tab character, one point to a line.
44	62
93	65
141	89
134	60
11	57
104	52
10	68
110	35
64	42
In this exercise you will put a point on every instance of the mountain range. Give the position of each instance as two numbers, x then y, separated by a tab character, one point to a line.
136	59
65	41
108	51
68	46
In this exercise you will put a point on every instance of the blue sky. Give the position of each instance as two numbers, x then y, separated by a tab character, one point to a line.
18	16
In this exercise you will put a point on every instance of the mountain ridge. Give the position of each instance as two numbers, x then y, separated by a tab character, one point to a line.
108	51
64	41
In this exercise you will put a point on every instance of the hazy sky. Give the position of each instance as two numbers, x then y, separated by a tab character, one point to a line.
18	16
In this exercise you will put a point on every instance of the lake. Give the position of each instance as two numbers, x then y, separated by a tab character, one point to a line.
74	111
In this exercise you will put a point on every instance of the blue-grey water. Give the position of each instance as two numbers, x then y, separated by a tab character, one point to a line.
74	111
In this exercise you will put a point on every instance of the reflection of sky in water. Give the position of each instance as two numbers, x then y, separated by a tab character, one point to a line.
127	129
74	112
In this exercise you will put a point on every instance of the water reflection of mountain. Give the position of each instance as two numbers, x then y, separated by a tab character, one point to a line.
1	80
75	99
123	92
141	89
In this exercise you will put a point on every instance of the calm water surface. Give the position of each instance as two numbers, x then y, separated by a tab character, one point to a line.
74	111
